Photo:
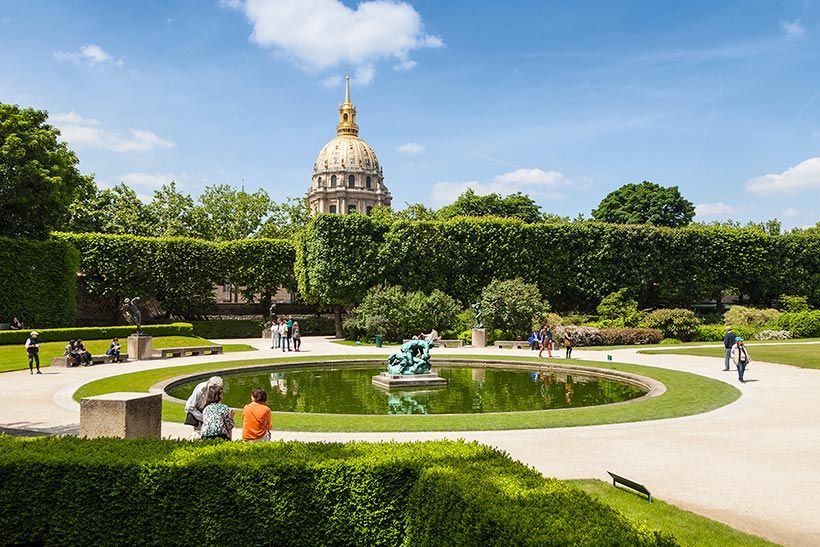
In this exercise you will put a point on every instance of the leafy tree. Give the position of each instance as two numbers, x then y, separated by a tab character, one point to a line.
469	203
38	174
416	211
172	211
513	306
645	203
619	310
115	210
286	220
225	213
390	311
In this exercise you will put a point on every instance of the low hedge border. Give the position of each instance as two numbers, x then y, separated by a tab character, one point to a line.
112	491
94	333
686	394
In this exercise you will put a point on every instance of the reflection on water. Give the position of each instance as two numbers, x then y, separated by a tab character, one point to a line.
471	390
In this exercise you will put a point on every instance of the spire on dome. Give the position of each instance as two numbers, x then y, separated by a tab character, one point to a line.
347	114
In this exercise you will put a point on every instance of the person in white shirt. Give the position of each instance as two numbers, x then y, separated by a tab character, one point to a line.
283	335
197	401
740	357
33	351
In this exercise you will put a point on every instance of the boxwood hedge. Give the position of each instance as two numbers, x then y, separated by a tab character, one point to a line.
72	491
95	333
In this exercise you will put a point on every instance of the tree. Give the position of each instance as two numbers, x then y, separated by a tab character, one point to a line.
287	219
513	306
115	210
645	203
416	211
619	310
38	174
225	213
469	203
172	212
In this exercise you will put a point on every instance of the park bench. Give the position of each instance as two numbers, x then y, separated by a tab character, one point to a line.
444	343
189	351
617	479
62	361
514	344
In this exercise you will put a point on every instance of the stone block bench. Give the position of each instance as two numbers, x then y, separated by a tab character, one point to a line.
189	351
444	343
63	361
514	344
123	415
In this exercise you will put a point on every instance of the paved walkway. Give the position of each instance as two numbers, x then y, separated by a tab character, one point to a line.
754	464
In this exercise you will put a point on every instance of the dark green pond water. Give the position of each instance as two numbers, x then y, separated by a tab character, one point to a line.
471	390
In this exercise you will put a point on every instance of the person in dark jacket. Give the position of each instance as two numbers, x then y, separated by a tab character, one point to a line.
728	344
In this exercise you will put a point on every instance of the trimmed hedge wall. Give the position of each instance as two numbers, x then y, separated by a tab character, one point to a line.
38	282
109	491
94	333
573	264
227	328
180	272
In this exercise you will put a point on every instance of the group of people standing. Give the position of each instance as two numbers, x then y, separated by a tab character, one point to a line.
543	340
736	352
283	332
213	419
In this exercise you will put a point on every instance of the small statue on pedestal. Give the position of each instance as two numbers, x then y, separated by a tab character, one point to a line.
478	323
132	313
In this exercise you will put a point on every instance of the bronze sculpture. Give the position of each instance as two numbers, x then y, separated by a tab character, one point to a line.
412	358
132	313
478	323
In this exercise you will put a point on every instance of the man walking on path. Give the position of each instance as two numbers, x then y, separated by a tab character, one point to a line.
728	344
33	351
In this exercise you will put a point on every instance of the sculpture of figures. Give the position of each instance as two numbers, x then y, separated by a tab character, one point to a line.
132	313
478	323
412	358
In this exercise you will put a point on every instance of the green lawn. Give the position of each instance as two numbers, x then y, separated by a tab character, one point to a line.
799	355
14	357
687	527
715	344
686	394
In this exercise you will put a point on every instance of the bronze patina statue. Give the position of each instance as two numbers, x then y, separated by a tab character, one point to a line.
412	358
478	323
132	313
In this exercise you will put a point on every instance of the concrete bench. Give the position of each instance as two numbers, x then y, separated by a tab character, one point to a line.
123	415
63	360
514	344
190	351
444	343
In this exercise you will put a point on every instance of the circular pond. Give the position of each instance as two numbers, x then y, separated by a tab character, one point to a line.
348	390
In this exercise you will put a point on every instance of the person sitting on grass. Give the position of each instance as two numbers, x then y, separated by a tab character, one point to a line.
256	417
217	418
114	350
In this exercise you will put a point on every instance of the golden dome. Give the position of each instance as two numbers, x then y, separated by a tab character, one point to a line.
347	153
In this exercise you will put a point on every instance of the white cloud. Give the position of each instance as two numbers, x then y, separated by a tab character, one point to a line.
793	29
803	176
537	183
362	76
90	55
790	213
153	180
411	148
87	133
714	209
326	33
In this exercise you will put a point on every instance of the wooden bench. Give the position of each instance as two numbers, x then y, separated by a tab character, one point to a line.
617	479
63	360
443	343
514	344
190	351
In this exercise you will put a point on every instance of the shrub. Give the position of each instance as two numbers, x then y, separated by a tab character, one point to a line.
773	335
670	341
673	323
790	303
629	336
38	282
433	493
744	316
581	336
95	333
709	333
804	324
619	310
513	306
398	315
316	325
228	328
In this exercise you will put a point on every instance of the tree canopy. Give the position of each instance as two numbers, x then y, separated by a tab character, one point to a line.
645	203
515	205
38	174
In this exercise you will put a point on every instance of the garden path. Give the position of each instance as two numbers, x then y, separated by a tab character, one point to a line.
752	464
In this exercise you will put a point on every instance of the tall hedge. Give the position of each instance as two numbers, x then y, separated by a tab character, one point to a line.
573	264
179	272
38	282
71	491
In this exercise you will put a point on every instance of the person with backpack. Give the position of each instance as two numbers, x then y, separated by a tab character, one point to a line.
741	358
33	351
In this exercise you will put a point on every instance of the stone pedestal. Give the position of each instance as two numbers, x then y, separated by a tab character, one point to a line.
123	415
266	334
140	347
479	338
394	381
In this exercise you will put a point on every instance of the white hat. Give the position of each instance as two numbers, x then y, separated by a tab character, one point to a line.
35	333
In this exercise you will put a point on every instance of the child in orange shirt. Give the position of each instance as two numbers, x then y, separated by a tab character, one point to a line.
256	417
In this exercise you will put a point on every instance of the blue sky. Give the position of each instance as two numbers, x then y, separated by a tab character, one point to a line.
565	101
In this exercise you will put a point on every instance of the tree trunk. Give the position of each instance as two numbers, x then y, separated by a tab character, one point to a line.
337	319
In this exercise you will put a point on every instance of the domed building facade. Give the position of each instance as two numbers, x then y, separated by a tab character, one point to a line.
347	176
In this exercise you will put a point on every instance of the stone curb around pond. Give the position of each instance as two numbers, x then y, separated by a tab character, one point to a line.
653	387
